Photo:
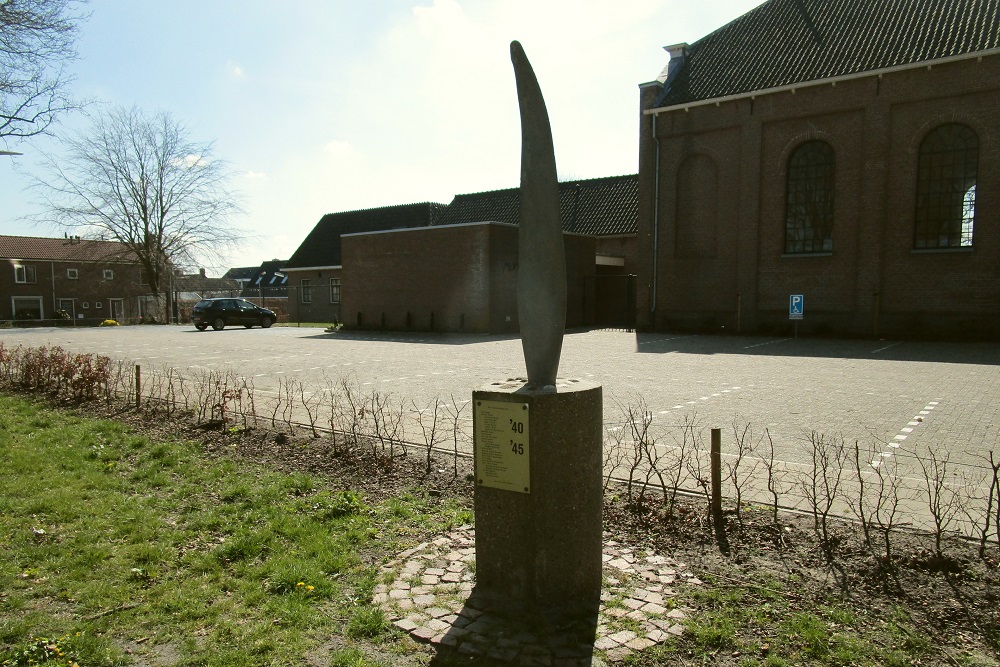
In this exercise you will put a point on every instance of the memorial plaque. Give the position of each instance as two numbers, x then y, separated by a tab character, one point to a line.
501	441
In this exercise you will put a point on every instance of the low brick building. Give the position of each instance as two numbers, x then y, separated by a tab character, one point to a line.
847	151
448	278
433	267
314	269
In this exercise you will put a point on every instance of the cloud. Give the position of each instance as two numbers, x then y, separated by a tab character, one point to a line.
254	175
236	70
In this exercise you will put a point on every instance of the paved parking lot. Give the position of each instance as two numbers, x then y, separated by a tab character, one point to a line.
904	396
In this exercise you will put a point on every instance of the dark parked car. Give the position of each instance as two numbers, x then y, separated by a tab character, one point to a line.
221	313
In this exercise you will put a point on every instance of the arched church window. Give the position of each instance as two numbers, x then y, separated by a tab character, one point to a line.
809	207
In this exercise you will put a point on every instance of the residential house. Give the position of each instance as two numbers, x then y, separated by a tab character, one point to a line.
70	280
842	152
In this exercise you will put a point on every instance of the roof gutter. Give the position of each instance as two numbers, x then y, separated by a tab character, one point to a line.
979	55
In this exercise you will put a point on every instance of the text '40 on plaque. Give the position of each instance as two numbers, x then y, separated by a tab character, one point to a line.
501	442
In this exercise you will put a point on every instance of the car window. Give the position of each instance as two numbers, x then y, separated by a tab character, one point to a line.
204	303
245	305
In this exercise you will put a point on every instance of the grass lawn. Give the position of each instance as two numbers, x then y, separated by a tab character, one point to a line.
115	549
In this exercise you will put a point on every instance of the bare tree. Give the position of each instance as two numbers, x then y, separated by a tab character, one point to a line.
138	179
37	40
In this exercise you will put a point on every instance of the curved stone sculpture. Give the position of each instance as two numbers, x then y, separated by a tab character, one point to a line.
541	272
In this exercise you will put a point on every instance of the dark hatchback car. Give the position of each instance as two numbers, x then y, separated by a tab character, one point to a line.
220	313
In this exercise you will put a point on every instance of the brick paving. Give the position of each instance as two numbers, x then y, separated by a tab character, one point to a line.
429	592
863	390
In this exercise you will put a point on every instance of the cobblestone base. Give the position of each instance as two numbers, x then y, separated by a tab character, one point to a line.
428	591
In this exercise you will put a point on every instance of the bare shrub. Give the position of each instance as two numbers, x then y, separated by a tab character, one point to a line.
864	503
742	466
683	445
612	453
387	421
775	486
821	484
941	495
429	419
311	403
700	473
458	434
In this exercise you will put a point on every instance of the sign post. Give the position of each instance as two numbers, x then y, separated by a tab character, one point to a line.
796	308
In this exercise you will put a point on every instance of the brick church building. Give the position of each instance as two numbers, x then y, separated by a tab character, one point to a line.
844	150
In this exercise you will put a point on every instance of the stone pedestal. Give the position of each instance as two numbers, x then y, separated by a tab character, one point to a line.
538	523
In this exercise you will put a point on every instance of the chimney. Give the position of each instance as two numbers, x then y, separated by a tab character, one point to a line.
678	52
201	272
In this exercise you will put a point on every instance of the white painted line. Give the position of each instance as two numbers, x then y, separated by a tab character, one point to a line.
907	429
899	437
770	342
259	375
885	348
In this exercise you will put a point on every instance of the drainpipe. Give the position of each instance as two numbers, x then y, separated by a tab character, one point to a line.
656	220
52	268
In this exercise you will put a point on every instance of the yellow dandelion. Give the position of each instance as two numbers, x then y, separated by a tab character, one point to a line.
301	583
310	588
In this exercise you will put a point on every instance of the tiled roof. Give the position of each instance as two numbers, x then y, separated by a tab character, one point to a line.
63	250
785	42
322	246
241	272
597	206
202	284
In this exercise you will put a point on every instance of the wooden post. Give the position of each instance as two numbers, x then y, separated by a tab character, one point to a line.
716	456
138	385
717	523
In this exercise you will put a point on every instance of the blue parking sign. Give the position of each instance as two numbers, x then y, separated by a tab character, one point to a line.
796	305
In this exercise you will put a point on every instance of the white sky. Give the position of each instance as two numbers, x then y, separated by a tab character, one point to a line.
332	105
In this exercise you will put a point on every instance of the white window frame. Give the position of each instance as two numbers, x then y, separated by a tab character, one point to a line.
72	274
334	282
15	299
305	290
109	274
25	274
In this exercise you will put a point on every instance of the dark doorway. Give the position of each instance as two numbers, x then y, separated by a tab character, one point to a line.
613	299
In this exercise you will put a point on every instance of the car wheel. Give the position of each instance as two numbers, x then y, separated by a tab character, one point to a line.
218	324
201	327
266	323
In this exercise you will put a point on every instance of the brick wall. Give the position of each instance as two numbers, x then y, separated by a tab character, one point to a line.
88	295
316	305
720	259
449	278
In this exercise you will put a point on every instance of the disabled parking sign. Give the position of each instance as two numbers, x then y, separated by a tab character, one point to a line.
796	304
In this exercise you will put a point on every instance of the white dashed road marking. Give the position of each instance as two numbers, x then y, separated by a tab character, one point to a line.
905	432
770	342
681	406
